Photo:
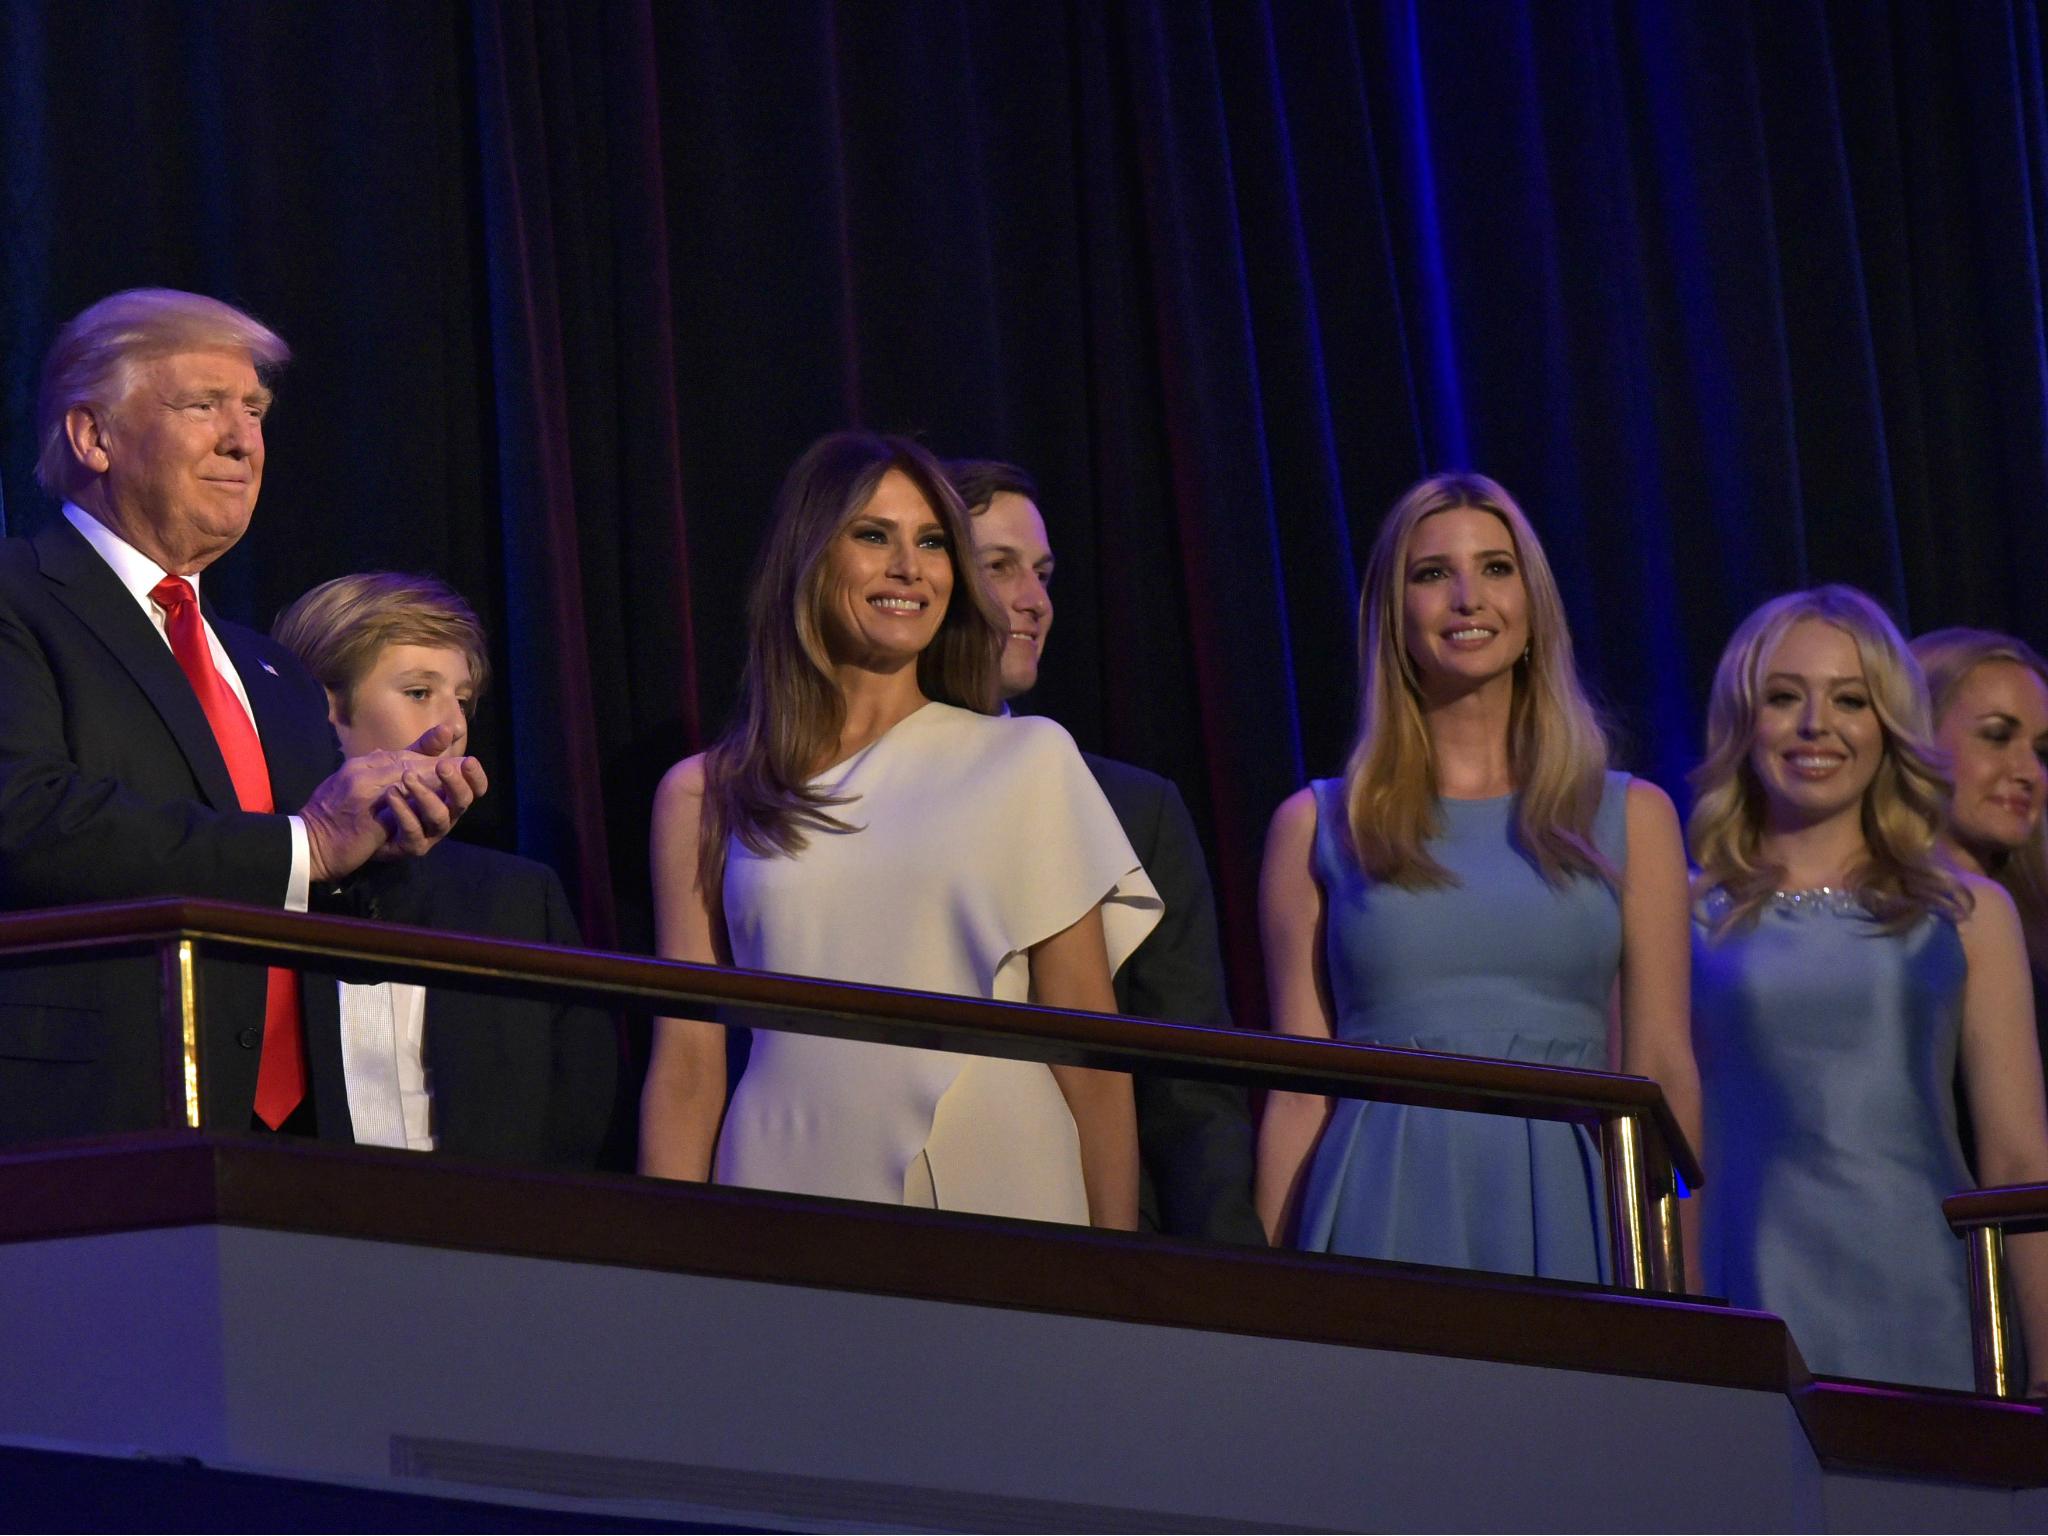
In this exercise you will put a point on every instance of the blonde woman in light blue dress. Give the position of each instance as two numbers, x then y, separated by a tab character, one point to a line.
1843	971
1478	883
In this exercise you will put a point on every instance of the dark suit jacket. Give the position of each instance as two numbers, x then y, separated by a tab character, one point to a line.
112	788
514	1079
1194	1138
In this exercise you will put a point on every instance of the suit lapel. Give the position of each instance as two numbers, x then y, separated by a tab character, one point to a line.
321	996
279	718
87	585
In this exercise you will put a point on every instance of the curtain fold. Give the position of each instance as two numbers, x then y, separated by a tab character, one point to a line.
585	425
531	179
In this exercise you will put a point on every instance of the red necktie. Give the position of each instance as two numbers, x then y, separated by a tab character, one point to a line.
281	1071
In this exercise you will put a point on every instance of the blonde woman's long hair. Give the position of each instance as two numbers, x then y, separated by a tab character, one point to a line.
1904	877
757	775
1557	749
1948	656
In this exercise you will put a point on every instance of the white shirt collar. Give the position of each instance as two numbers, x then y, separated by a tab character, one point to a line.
137	572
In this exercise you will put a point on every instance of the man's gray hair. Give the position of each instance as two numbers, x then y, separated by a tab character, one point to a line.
93	360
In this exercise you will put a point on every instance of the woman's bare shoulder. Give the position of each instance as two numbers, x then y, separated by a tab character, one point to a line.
1293	827
682	787
1991	909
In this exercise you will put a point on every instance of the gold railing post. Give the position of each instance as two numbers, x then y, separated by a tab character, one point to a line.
179	983
1668	1246
1989	1334
1621	1137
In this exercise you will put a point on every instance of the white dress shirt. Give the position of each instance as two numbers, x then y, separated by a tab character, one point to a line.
383	1062
382	1024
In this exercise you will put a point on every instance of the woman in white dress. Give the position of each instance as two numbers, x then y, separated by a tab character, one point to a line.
867	818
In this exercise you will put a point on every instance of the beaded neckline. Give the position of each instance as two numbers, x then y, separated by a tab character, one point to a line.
1837	899
1834	899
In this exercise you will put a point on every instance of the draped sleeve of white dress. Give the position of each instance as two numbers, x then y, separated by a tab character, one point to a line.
971	838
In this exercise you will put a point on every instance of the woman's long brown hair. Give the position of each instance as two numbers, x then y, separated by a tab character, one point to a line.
757	775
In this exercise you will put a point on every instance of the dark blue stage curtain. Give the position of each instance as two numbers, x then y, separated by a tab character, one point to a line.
1733	296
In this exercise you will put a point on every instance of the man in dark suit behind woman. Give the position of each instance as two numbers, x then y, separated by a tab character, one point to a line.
509	1079
1194	1137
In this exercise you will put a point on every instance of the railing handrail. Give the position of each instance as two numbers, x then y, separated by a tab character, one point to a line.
2001	1205
897	1016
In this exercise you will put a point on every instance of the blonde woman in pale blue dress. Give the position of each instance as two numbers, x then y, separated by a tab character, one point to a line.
1478	882
869	819
1843	971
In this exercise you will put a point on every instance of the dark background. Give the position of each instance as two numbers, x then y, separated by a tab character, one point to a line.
1734	297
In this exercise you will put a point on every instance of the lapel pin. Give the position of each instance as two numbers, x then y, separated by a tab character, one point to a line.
266	666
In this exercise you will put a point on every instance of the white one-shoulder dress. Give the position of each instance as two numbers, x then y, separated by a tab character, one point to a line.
974	837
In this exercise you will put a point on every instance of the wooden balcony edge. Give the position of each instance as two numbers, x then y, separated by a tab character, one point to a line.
1873	1427
157	1180
2016	1207
165	1179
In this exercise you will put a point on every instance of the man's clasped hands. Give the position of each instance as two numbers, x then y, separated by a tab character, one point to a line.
389	805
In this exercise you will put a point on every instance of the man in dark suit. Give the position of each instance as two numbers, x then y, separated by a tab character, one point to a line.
149	749
1194	1138
509	1079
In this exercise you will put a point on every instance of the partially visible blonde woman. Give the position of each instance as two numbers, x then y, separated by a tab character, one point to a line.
1841	965
1478	882
1990	698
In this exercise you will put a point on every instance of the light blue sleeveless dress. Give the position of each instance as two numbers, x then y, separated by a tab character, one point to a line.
1827	1054
1503	964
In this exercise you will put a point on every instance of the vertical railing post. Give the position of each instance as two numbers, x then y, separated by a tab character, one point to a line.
1667	1241
1621	1139
179	987
1989	1335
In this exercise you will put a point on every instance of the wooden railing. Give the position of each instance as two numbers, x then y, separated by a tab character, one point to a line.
1642	1143
1981	1218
